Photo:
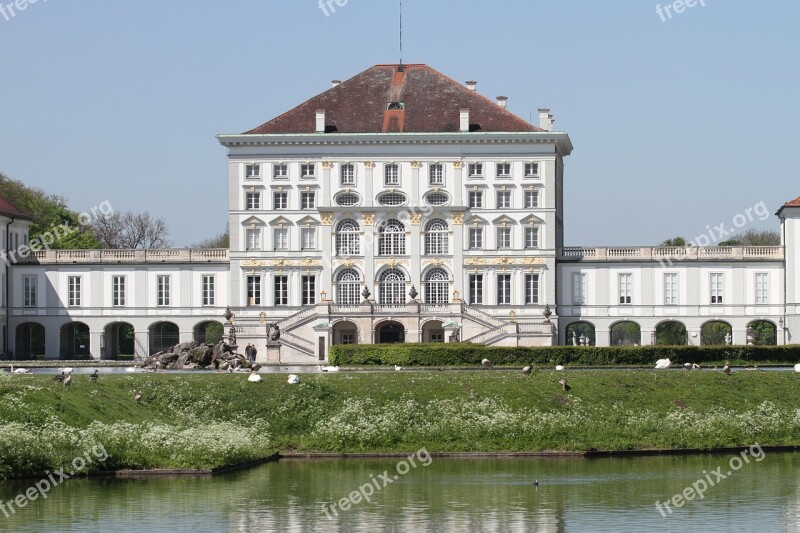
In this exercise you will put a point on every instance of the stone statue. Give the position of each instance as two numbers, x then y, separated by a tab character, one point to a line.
455	337
574	339
728	338
274	332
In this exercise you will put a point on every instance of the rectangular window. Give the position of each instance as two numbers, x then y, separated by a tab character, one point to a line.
118	291
716	288
253	290
280	171
309	296
348	338
503	238
308	170
476	289
280	238
531	170
475	170
504	170
29	291
578	288
531	238
280	200
531	289
74	288
625	288
253	200
252	171
252	237
308	239
475	238
762	288
670	288
281	290
531	198
308	200
391	174
162	286
208	290
347	174
476	199
436	174
503	289
503	199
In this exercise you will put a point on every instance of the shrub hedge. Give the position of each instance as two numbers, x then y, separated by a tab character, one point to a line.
465	354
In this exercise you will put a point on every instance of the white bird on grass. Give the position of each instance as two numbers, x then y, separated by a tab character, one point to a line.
398	368
67	370
486	363
19	370
797	367
67	380
663	364
327	368
559	367
294	379
726	370
254	377
527	370
132	369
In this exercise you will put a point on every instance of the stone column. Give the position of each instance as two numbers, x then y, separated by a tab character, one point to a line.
324	199
326	243
96	344
457	250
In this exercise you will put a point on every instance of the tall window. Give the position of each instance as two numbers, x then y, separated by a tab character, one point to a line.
531	238
476	199
309	290
716	288
252	238
391	174
437	286
347	174
118	291
280	171
308	170
252	171
475	170
208	290
348	286
308	200
280	238
531	289
29	291
475	238
476	289
504	170
503	199
280	200
531	170
578	288
308	239
503	238
531	198
762	288
436	237
392	238
348	236
253	200
625	288
503	289
162	289
74	291
392	288
436	174
281	290
671	288
253	290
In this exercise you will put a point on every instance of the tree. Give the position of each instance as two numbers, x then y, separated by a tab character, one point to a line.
131	231
754	237
223	240
675	241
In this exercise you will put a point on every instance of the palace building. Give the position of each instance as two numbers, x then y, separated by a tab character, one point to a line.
402	206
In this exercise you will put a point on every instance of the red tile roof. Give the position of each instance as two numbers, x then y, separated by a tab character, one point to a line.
432	104
793	203
10	210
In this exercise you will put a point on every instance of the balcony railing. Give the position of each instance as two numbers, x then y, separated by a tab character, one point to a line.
45	257
669	254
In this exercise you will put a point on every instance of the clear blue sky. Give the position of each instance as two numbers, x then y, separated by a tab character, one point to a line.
677	125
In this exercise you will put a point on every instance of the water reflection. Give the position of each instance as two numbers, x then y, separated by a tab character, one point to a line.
449	495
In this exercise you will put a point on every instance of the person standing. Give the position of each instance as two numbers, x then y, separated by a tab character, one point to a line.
248	352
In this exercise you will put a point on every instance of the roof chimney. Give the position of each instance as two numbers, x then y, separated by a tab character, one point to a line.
335	83
464	120
552	121
502	101
544	118
320	121
472	85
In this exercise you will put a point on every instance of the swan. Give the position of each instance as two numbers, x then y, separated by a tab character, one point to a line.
687	366
663	364
398	368
559	367
328	369
294	379
67	370
486	363
527	370
797	367
695	366
254	377
726	370
131	369
19	370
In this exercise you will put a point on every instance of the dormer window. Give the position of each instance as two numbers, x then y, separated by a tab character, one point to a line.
395	106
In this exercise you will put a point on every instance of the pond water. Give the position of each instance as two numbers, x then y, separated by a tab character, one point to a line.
593	495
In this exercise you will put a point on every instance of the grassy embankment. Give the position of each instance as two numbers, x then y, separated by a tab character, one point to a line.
210	420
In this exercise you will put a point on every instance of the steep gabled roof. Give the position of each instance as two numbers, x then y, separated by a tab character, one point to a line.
430	102
10	210
793	203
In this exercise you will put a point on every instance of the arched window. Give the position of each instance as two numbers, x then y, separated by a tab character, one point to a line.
348	284
348	236
436	237
392	238
392	287
437	286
